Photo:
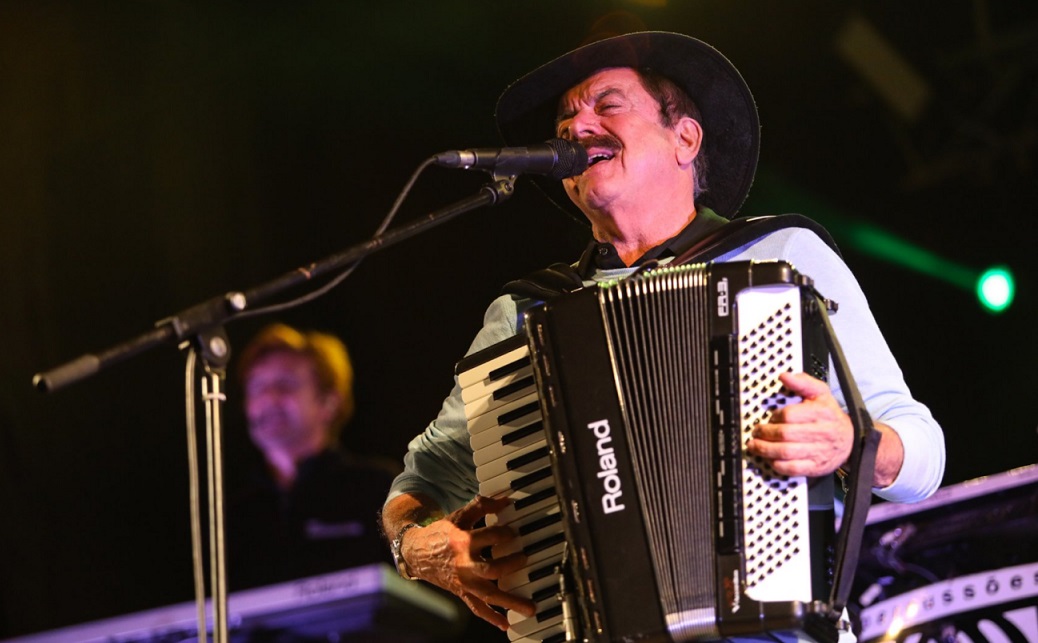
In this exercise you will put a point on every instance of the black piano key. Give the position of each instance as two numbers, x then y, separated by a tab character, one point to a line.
534	498
532	456
544	594
554	539
549	613
507	369
525	409
540	523
549	568
514	387
520	433
530	478
489	354
541	572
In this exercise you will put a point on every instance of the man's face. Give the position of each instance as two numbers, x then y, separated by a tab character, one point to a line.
633	156
285	407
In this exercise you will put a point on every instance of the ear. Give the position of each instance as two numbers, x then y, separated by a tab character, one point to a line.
688	139
330	403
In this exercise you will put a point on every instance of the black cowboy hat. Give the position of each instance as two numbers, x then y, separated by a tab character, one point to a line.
526	110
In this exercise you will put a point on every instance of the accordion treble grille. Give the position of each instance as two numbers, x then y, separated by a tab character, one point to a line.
775	527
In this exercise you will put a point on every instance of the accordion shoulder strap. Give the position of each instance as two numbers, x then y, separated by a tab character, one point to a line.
862	466
560	278
741	231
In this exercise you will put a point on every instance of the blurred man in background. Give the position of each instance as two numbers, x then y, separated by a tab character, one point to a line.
312	506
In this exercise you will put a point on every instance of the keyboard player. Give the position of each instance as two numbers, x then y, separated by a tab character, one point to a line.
308	506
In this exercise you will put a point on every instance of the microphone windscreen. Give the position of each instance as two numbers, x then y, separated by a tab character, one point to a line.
572	158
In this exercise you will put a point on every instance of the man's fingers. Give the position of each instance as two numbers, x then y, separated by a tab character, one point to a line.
778	450
796	468
486	612
489	593
822	408
477	508
490	536
804	385
794	458
501	567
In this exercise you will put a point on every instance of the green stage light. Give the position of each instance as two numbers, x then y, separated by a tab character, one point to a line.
995	288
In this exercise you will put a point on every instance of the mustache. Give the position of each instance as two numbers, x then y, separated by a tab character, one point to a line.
600	140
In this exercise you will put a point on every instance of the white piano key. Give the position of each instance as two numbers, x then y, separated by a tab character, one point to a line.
558	629
482	372
538	567
546	584
493	419
521	478
499	466
529	521
532	533
549	613
523	504
484	396
487	447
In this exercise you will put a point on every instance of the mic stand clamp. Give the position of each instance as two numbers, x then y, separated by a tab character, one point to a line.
503	186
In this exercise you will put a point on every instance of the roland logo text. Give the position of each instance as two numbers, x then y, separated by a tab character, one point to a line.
607	471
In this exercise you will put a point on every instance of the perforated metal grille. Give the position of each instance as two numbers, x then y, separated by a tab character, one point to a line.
774	517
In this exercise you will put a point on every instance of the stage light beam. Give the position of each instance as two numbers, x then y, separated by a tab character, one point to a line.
994	288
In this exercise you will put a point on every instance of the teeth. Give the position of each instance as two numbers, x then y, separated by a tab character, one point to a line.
595	158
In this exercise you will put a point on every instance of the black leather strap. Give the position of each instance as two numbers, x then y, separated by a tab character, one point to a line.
546	283
862	470
739	232
560	278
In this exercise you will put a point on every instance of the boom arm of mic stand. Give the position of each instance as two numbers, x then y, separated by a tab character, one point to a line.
218	310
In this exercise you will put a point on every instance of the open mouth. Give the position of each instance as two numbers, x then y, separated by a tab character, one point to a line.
600	148
598	157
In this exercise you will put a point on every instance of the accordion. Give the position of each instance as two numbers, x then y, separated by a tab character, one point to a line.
616	421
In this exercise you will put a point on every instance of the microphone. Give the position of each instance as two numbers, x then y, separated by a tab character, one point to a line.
557	158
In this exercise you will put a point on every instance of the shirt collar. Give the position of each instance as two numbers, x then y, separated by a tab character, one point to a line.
603	256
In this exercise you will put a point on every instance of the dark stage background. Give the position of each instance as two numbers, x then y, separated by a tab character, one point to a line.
157	153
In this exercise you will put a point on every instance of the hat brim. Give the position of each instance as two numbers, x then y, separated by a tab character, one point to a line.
527	108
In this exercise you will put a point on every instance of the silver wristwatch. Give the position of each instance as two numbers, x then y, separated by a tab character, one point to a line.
398	558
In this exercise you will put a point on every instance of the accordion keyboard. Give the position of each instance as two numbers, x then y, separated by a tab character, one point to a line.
512	461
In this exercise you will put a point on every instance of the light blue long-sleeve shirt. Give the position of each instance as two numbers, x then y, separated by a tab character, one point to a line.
439	460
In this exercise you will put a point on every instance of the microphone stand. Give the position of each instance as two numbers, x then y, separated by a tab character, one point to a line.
214	347
199	329
217	310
